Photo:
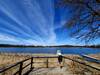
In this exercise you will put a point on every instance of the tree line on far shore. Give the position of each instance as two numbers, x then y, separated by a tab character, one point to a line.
88	46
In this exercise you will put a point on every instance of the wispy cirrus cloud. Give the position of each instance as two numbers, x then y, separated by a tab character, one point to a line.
27	22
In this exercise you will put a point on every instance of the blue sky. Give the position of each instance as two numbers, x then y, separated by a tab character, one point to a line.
34	22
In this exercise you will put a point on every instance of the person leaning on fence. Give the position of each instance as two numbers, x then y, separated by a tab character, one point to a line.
60	58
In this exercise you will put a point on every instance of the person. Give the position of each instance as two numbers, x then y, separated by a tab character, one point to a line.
60	58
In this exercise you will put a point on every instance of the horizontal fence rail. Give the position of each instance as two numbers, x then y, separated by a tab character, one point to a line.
82	63
31	62
19	72
20	68
91	59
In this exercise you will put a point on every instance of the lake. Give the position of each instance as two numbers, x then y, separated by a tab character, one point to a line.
50	50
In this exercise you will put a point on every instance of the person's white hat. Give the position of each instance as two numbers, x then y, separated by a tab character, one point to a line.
58	52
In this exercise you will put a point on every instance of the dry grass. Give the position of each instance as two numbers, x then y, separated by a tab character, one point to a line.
79	69
7	59
95	56
72	67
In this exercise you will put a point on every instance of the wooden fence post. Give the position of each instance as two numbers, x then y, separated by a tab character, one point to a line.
21	67
31	63
47	63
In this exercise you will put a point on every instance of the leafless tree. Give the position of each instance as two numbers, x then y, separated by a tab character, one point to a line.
85	18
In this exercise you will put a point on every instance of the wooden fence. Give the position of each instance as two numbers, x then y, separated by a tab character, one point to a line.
22	67
31	67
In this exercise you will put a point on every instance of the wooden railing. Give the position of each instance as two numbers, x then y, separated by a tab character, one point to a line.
22	67
91	59
31	67
81	63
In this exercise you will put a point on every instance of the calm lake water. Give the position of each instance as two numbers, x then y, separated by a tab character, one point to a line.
51	50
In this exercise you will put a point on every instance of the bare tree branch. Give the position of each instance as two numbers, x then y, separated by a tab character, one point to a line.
86	16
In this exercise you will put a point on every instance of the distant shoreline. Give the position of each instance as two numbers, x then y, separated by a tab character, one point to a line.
40	46
67	46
